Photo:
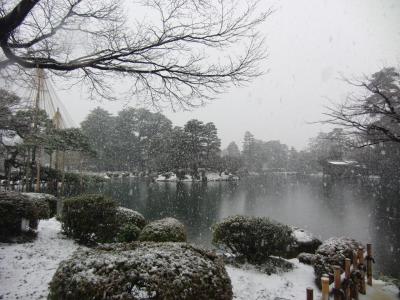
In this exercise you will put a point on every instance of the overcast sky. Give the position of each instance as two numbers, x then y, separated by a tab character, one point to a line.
311	43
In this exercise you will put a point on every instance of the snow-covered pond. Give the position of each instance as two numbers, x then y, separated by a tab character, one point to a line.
360	210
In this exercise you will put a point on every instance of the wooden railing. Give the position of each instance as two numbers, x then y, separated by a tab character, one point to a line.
349	284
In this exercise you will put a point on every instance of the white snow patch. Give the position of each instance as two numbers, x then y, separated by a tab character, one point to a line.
26	269
251	284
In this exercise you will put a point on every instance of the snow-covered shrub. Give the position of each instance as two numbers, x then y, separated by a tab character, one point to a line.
90	218
128	233
164	230
333	252
129	216
45	203
252	237
17	215
141	271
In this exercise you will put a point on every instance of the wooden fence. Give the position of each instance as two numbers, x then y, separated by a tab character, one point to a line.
349	284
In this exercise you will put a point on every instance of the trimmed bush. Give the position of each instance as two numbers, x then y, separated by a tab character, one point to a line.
129	216
141	271
90	218
164	230
13	208
128	233
252	237
45	203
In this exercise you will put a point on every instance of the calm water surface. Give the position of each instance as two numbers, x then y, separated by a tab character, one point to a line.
363	211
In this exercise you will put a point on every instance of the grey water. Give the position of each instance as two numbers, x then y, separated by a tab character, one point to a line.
362	210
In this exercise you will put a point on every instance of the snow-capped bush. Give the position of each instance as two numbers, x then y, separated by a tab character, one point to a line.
17	215
90	218
252	237
333	252
141	271
128	216
164	230
45	203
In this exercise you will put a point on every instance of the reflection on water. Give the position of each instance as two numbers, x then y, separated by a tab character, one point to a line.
362	211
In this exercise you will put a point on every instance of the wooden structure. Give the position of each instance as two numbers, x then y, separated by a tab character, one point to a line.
347	285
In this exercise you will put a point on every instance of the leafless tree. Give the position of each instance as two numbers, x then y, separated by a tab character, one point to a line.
180	51
373	116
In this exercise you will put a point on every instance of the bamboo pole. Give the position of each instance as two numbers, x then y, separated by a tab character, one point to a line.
354	288
337	282
310	294
347	264
325	288
361	268
369	264
38	161
62	173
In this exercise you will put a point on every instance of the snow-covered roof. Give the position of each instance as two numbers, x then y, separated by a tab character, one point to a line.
342	162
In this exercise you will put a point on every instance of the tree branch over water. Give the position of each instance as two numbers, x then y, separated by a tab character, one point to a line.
178	51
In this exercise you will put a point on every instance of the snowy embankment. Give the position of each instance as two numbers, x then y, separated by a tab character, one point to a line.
26	269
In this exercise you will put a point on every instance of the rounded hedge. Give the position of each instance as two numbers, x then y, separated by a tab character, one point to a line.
141	271
45	203
254	238
13	208
164	230
129	216
90	218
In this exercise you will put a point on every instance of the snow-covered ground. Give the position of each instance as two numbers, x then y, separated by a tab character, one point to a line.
26	269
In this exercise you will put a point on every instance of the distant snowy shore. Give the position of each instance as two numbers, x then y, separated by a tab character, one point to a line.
26	269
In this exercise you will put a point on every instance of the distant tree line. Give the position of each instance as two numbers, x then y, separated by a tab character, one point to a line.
137	140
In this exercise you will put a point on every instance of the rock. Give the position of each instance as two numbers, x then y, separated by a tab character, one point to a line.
164	230
304	241
331	253
141	271
306	258
129	216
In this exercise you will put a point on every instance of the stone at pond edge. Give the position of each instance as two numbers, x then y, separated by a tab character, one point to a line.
304	241
333	252
306	258
141	271
164	230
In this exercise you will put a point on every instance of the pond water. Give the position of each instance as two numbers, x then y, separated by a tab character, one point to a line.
327	208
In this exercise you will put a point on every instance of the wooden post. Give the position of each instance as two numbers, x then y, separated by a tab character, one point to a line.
355	287
310	294
325	288
369	264
361	268
347	264
337	281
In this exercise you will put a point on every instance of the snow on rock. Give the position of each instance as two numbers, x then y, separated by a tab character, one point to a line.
304	241
26	269
142	270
